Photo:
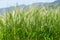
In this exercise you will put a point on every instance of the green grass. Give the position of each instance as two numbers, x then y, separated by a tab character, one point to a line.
34	24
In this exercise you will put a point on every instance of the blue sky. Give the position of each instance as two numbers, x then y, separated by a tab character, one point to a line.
8	3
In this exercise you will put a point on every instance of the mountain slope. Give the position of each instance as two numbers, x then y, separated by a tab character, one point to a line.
27	6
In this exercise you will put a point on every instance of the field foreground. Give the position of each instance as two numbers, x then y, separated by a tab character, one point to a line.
34	24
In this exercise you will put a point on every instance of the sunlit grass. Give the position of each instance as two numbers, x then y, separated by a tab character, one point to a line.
32	24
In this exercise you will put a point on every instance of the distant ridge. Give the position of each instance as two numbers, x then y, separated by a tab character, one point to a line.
56	2
27	6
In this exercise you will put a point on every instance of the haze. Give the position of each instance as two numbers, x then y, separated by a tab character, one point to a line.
8	3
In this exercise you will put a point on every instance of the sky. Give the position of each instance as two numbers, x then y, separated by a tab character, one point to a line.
8	3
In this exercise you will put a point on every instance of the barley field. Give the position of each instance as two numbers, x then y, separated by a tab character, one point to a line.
32	24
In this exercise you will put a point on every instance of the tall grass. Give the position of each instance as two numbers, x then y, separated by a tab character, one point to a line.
34	24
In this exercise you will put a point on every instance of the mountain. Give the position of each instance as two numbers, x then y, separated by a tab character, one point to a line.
12	8
27	6
57	2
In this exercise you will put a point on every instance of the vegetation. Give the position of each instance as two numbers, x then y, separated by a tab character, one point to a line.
34	24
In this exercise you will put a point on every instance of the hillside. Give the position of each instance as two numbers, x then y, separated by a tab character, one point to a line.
27	6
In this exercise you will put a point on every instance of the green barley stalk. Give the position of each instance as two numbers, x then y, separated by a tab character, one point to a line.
36	23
